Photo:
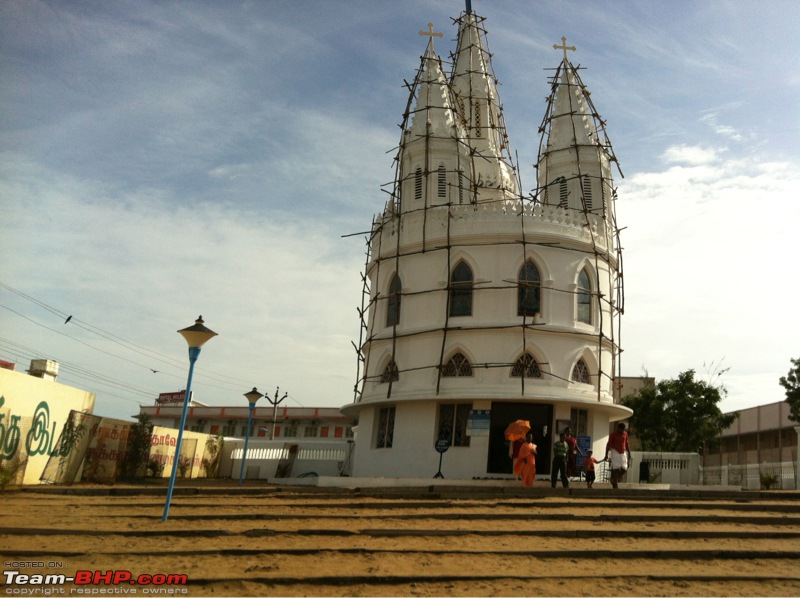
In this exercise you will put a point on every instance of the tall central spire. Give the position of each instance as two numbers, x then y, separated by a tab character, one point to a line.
478	105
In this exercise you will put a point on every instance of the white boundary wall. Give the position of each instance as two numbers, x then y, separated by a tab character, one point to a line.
264	456
665	468
748	476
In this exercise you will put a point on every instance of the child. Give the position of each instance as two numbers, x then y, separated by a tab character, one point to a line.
588	467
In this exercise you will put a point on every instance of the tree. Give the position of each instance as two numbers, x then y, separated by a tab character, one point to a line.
678	415
791	382
137	451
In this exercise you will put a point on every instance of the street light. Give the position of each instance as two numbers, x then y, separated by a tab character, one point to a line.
275	402
252	397
196	336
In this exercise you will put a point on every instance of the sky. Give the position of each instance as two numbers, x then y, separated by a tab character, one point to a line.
162	160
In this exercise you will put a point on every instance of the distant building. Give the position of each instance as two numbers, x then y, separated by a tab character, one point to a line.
305	423
482	305
762	440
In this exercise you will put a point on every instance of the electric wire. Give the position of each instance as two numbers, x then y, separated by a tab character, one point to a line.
161	361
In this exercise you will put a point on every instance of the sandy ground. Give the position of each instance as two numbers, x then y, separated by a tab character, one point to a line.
269	541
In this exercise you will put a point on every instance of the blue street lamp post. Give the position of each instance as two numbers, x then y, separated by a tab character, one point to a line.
252	397
196	336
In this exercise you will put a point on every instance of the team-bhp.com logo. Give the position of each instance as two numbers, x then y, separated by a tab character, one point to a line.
151	583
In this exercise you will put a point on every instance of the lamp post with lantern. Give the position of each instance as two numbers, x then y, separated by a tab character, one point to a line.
252	398
196	336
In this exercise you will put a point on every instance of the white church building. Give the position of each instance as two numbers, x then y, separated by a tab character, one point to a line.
482	305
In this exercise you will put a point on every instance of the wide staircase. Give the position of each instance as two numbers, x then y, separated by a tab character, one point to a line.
263	540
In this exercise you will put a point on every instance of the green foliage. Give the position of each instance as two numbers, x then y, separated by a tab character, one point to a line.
184	466
9	471
211	461
768	480
791	382
678	415
70	436
137	451
155	468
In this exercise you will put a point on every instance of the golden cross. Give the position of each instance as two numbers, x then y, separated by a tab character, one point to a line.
430	33
564	47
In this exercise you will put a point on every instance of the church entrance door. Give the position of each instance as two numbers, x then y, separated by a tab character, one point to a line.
540	417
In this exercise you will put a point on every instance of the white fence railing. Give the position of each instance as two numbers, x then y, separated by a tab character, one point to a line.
650	467
270	459
752	476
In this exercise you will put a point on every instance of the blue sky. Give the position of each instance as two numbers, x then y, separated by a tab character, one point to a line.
164	160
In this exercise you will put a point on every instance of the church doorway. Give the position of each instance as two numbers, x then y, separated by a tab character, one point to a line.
540	417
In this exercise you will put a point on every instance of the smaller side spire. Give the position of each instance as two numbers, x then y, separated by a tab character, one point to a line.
574	165
433	161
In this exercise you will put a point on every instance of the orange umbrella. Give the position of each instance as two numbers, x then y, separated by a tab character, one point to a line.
517	429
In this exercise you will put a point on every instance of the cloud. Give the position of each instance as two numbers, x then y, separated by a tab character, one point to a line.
726	131
692	155
710	257
281	293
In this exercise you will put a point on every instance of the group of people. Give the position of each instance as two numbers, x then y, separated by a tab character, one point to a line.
565	457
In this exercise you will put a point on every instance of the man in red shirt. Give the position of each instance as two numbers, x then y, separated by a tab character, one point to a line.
618	452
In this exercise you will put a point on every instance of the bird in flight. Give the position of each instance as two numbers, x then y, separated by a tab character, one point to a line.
67	320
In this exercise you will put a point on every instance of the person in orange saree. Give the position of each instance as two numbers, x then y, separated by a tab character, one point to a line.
513	452
526	462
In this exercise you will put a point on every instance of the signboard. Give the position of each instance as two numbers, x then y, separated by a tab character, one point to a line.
442	445
171	398
479	422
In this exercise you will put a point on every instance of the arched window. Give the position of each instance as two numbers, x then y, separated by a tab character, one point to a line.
393	302
584	297
580	373
418	184
587	192
529	290
453	423
526	366
461	290
441	181
390	372
458	365
563	194
385	437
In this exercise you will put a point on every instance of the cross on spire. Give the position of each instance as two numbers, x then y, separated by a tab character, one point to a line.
564	47
430	33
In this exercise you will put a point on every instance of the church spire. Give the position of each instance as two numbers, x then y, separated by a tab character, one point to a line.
432	158
575	153
433	110
479	108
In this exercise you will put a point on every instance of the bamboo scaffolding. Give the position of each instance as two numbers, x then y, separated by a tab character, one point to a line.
604	249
